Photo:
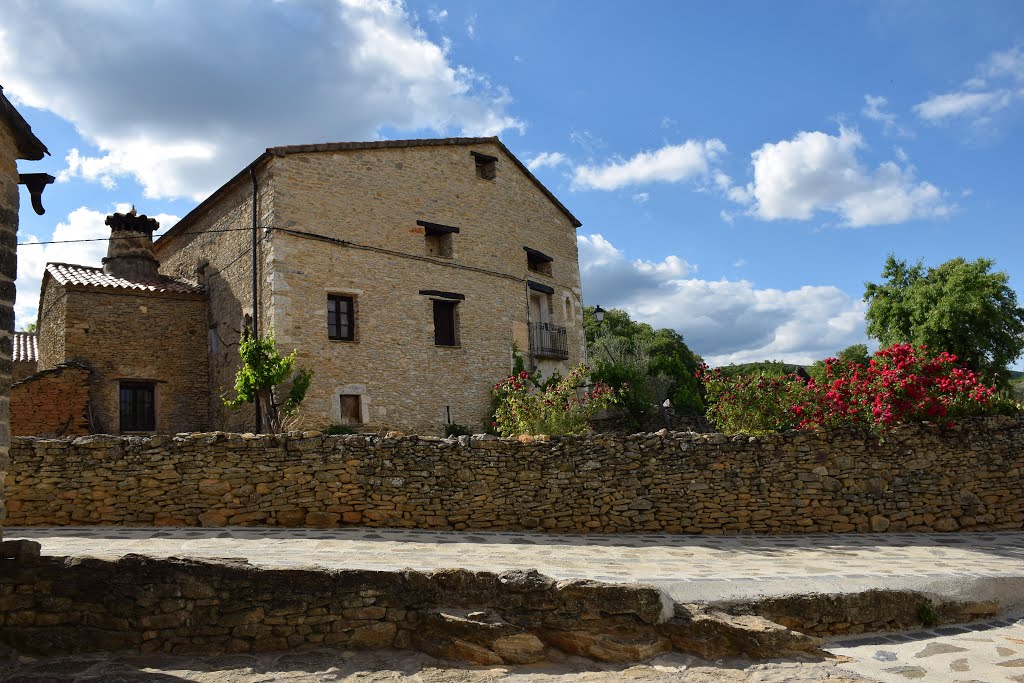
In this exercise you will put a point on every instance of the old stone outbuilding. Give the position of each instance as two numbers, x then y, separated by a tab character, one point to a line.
408	274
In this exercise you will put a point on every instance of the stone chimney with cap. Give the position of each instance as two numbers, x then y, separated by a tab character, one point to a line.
130	249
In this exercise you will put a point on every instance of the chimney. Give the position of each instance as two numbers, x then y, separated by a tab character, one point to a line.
130	249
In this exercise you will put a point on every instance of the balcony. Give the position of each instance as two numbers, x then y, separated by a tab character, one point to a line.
548	341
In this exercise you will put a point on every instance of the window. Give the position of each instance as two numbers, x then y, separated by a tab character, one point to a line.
538	261
341	317
438	238
351	409
486	166
444	323
138	407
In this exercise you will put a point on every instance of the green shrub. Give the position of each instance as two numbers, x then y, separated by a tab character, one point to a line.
752	403
455	429
564	407
339	429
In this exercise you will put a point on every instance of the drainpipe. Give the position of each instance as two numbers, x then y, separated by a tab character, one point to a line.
255	298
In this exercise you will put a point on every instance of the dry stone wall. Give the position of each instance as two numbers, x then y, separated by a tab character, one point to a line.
52	605
919	478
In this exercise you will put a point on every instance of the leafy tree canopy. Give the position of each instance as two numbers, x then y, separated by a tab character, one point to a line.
654	364
960	306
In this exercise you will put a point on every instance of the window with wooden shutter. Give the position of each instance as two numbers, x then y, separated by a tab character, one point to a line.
351	409
340	317
444	323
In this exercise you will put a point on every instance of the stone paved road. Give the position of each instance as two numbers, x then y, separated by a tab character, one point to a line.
980	566
990	652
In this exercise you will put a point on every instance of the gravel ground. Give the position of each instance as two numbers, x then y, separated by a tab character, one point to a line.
384	666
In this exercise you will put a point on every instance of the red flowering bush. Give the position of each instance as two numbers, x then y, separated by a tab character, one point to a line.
751	403
564	406
900	384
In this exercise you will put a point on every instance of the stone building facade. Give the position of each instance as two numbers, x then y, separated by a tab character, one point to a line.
16	142
405	273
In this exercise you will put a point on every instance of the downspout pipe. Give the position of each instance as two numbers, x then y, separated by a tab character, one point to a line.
255	281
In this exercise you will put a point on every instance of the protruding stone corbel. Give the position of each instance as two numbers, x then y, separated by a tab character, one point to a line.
36	183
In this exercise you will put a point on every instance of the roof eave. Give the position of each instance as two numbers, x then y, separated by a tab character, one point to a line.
30	147
208	202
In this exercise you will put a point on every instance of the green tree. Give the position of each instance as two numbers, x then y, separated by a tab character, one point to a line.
644	365
855	353
264	369
960	307
30	328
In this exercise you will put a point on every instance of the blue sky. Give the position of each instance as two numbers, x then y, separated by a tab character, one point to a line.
740	169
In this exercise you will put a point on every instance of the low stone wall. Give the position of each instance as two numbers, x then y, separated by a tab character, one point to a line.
52	605
919	478
52	402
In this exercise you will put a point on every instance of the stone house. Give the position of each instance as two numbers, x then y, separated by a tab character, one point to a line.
16	142
406	273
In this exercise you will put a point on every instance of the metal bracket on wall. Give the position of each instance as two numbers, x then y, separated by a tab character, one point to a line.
36	183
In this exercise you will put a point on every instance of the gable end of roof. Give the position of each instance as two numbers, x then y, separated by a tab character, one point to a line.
349	146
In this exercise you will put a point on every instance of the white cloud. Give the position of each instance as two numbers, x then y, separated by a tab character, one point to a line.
641	197
739	263
437	15
183	108
543	159
816	172
669	164
471	26
995	87
965	104
81	224
726	321
874	109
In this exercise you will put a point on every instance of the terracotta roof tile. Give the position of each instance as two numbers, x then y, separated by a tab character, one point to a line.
88	276
25	347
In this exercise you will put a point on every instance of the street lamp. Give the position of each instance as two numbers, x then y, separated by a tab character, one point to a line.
598	314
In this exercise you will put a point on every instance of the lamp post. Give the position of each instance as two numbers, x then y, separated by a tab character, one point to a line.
598	314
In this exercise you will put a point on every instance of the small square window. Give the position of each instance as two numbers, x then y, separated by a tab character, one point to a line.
138	407
351	409
445	327
341	323
538	262
439	244
486	166
438	238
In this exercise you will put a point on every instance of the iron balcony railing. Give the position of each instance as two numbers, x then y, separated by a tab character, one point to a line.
548	341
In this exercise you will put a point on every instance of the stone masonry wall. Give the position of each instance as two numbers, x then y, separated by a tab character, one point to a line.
919	478
54	605
52	402
9	202
214	248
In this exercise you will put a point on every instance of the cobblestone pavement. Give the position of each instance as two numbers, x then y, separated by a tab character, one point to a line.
989	652
687	567
383	666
